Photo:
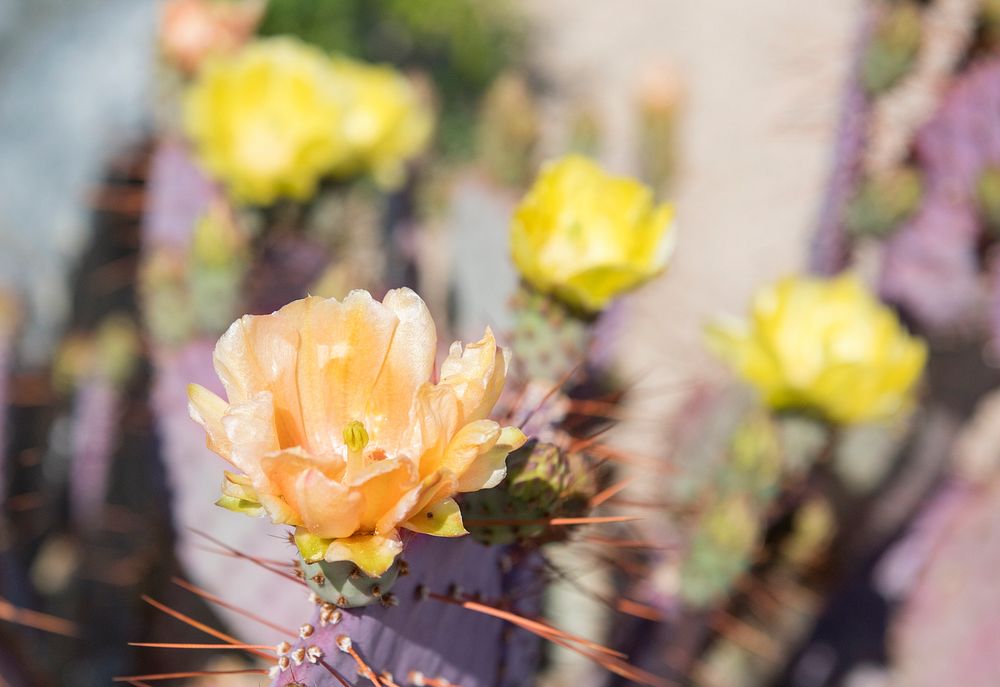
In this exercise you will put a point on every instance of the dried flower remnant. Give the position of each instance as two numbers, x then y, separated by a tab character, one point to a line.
826	347
337	428
587	237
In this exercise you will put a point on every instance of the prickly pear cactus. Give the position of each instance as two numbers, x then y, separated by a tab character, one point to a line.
424	633
509	129
548	338
728	529
946	631
894	47
931	265
542	482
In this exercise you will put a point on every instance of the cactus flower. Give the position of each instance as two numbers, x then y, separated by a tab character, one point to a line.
193	30
586	237
824	346
337	428
264	121
385	123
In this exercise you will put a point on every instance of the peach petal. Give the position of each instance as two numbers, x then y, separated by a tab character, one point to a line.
353	338
250	430
489	468
328	508
383	485
207	410
434	419
470	442
409	363
477	375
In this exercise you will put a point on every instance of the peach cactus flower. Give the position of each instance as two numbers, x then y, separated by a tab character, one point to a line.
193	30
338	428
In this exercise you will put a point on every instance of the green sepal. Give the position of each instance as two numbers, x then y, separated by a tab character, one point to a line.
238	505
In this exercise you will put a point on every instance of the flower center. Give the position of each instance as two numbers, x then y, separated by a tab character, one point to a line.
356	439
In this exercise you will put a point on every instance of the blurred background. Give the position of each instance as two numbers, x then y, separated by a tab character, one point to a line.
791	136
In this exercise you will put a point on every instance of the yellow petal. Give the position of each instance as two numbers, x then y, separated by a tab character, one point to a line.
372	553
489	468
441	520
587	236
311	547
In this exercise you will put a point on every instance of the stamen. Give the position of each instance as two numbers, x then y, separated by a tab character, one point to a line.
356	439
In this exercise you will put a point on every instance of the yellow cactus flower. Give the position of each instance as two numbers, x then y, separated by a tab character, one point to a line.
824	346
335	423
587	237
385	123
264	121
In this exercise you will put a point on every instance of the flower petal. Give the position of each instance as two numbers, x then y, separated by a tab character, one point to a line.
383	484
207	410
294	487
489	468
372	553
441	520
353	339
328	508
408	364
250	429
431	490
470	442
434	419
477	374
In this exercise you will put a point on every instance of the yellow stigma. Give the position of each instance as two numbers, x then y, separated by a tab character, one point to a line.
355	436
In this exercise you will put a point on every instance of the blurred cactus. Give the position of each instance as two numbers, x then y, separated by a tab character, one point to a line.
658	106
732	504
894	47
946	630
883	203
10	316
97	407
720	551
931	266
508	130
548	339
988	198
542	482
586	129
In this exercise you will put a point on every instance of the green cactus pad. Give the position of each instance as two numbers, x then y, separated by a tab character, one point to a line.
549	339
